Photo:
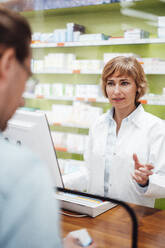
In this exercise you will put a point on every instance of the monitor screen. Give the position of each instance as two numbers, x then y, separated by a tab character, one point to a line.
32	130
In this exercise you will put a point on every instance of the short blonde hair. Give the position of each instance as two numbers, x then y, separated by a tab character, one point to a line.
125	66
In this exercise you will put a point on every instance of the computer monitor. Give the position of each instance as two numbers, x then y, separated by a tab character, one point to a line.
32	130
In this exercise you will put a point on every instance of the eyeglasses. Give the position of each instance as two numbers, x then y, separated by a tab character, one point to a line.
32	80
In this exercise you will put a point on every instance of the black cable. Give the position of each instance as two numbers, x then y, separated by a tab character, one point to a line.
123	204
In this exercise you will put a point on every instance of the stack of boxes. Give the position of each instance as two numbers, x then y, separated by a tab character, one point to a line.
161	26
72	32
136	33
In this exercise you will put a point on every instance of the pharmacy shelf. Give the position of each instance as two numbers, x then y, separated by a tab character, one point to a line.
59	127
98	72
66	6
153	102
155	73
64	98
67	155
83	7
67	125
69	71
112	41
101	100
63	149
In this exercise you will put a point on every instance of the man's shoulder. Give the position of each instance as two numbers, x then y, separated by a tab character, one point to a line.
16	163
14	153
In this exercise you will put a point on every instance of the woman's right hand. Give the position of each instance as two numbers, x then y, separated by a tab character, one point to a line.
71	242
142	171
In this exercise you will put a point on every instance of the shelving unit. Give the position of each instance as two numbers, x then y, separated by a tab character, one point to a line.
109	20
60	127
97	19
110	42
69	72
105	19
32	96
66	155
89	72
152	101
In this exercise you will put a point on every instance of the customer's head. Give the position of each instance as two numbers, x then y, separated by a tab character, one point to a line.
14	33
15	56
125	66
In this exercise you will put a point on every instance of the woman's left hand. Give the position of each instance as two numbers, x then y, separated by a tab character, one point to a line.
142	172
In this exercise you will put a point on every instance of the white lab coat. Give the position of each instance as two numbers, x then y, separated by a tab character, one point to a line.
140	133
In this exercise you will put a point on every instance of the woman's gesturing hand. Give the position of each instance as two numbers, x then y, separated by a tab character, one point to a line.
142	172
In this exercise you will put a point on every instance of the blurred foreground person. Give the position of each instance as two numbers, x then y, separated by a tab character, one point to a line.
28	208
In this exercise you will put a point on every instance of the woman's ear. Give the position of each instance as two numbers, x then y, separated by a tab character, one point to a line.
138	91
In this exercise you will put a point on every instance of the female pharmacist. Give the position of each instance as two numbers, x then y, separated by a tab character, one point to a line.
126	150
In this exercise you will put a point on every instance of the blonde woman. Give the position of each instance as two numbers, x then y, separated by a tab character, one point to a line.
125	155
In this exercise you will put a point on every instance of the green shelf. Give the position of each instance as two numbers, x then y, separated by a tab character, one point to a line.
66	155
68	129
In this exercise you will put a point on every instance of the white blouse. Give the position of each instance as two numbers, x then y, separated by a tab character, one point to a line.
109	158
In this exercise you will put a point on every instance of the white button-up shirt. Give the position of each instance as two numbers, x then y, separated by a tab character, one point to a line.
110	158
110	149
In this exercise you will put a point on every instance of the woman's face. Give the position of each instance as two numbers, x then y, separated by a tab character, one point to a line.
121	91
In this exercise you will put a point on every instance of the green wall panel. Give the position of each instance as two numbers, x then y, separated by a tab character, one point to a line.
44	104
156	83
156	110
69	78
